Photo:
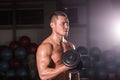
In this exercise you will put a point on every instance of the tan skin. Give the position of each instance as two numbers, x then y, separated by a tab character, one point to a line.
49	53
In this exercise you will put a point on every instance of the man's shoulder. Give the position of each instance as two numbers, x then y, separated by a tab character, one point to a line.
45	48
45	45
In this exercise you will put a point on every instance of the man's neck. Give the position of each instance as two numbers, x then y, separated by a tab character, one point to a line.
57	38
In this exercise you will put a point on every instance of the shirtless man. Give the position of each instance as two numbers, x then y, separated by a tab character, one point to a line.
49	53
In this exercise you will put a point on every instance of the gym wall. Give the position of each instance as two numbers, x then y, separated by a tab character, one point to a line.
34	25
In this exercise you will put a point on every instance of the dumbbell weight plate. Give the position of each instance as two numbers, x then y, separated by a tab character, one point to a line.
70	58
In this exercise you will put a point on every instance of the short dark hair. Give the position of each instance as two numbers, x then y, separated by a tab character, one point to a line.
58	13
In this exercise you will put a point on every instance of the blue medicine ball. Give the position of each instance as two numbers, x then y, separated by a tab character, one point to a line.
91	73
20	53
99	64
6	54
83	73
4	66
95	51
102	74
110	67
86	62
10	73
82	50
21	72
109	56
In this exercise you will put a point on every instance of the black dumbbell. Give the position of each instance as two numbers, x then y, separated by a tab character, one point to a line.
72	59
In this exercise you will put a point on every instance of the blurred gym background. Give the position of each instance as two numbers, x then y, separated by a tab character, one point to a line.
94	29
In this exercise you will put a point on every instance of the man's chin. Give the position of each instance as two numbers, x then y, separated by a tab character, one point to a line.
66	35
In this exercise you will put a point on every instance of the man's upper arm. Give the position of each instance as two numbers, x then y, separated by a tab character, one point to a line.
43	57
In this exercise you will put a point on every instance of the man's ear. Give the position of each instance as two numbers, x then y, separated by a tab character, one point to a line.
52	24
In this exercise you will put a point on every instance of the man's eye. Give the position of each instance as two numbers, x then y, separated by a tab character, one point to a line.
66	24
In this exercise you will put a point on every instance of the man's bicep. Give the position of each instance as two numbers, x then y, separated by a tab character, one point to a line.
43	59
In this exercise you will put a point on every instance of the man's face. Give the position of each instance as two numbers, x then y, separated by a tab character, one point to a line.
62	26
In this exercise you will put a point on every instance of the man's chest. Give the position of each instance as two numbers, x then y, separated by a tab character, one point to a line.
58	51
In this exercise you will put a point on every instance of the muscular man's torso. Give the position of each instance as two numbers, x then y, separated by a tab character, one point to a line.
58	51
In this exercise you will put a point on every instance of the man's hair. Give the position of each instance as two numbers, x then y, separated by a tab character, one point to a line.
55	14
